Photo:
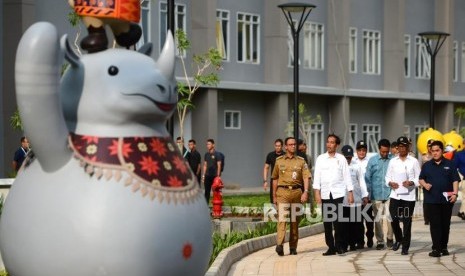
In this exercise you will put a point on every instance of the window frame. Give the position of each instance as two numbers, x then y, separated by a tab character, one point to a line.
220	20
371	58
407	55
353	42
232	113
314	48
422	60
251	29
163	12
371	134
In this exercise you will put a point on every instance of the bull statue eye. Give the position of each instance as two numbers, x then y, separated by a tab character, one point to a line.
113	70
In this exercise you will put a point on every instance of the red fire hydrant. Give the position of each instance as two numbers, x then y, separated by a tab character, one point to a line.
217	211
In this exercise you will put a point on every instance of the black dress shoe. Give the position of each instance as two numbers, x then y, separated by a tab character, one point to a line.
389	243
404	252
329	252
395	246
434	253
461	215
279	249
360	246
293	251
341	251
380	246
370	243
352	248
445	252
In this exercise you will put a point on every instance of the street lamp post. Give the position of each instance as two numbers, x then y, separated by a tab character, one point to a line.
170	24
304	9
433	42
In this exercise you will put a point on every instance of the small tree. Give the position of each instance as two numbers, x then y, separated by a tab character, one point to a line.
205	69
305	120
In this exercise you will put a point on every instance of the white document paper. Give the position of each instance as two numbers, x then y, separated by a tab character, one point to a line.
399	178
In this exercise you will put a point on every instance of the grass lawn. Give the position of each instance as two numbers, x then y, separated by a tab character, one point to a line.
252	200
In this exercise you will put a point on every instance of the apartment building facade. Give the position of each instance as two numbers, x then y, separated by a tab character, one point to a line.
363	69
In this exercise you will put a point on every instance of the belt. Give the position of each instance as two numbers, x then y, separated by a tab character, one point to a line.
290	187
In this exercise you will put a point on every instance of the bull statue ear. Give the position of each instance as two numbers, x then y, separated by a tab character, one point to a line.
70	55
146	49
166	61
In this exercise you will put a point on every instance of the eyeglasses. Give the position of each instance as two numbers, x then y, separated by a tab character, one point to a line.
291	144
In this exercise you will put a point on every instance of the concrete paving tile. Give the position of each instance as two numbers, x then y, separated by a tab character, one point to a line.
362	262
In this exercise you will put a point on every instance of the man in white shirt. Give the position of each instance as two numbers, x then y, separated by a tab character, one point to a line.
331	183
402	176
362	160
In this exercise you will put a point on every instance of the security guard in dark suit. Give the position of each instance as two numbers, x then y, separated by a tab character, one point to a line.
289	174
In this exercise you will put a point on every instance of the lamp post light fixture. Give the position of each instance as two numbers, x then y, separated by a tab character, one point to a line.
433	42
304	9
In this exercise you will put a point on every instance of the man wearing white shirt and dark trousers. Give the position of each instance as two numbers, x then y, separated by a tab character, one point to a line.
402	176
440	181
331	183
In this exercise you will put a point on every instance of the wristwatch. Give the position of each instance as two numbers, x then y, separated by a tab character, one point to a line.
306	191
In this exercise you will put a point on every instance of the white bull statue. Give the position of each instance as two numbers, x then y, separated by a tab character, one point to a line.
107	192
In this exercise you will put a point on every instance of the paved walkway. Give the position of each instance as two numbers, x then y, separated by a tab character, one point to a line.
309	260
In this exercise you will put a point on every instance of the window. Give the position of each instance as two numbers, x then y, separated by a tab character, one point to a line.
418	129
313	45
371	52
422	60
456	61
179	21
353	50
463	61
248	38
145	23
232	119
222	33
371	134
407	131
290	46
317	140
407	56
353	134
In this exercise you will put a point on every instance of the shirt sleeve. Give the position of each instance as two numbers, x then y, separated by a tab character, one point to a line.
347	176
363	185
416	171
317	175
388	176
275	172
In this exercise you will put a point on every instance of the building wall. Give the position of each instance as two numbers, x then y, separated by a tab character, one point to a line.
263	92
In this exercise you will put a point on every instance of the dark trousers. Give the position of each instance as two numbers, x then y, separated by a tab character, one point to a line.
402	210
353	226
271	191
330	209
439	224
208	182
426	214
369	224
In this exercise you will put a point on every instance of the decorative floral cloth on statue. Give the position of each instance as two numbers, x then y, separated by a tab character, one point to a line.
148	164
128	10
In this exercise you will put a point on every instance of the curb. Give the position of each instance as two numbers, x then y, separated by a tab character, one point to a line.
230	255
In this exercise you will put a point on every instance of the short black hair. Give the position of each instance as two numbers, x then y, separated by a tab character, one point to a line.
279	140
393	144
192	141
384	143
338	140
439	144
22	139
211	140
287	139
